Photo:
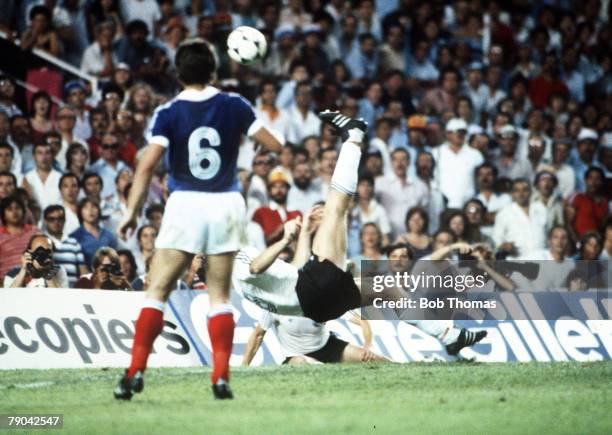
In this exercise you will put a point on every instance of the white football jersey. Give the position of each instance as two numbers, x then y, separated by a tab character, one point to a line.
296	335
272	290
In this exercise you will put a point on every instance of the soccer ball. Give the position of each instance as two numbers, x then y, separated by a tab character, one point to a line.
246	45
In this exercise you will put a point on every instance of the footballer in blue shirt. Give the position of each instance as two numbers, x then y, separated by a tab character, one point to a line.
198	133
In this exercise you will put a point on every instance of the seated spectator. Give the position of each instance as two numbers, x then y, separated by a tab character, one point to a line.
42	182
416	237
545	187
8	186
303	121
21	140
38	268
7	96
75	93
455	221
272	217
370	238
508	163
363	61
70	188
305	191
145	236
128	265
588	211
154	214
14	233
107	273
68	252
368	210
548	82
6	161
90	235
441	98
606	253
562	170
520	226
486	176
109	165
65	119
595	273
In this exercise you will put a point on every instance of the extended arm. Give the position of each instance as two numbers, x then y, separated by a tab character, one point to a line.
267	140
303	249
253	345
263	261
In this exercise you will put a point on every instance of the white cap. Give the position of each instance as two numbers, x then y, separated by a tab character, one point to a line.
507	129
456	124
587	133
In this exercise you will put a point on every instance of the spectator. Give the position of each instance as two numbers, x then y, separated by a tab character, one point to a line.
8	185
112	100
42	183
145	237
312	53
6	160
66	121
455	164
107	274
40	33
606	253
547	82
474	213
76	159
40	116
75	96
146	12
305	191
38	267
584	156
509	165
425	166
486	176
21	140
109	165
545	188
262	164
370	106
442	98
274	117
588	211
154	215
455	221
99	120
272	217
394	55
416	237
128	264
553	262
363	61
370	239
520	227
70	188
7	96
54	140
68	253
100	58
397	193
563	171
303	121
14	232
104	11
367	210
90	235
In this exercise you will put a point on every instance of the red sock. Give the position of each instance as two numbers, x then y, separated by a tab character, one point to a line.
148	326
221	332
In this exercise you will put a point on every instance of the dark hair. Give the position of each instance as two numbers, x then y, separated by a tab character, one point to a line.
402	150
7	146
420	211
10	200
378	232
40	145
301	84
154	208
53	208
71	150
130	257
268	81
83	203
365	36
367	178
389	249
9	174
136	26
89	175
541	174
445	231
486	165
51	133
587	236
66	176
195	62
594	169
520	180
112	88
141	230
556	227
37	96
40	10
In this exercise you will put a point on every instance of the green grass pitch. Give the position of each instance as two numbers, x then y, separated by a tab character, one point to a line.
539	398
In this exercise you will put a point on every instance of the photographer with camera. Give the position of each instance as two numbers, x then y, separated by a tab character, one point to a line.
107	274
37	267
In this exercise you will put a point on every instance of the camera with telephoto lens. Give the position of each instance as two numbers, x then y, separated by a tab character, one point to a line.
45	259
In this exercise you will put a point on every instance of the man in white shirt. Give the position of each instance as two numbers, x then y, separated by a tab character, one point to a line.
42	182
302	121
555	266
273	117
455	164
305	191
397	193
99	58
145	10
520	227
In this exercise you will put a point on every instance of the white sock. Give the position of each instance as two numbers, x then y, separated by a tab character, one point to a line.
344	178
443	330
220	309
153	303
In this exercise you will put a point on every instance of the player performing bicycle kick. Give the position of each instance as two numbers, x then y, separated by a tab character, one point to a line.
315	284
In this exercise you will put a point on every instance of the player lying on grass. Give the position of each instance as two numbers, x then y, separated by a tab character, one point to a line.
304	341
317	286
199	132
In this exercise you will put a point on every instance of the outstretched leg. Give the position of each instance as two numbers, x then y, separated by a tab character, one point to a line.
330	240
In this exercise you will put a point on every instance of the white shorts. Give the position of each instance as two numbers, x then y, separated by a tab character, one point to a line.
203	222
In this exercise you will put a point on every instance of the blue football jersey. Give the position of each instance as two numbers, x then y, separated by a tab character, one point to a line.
202	131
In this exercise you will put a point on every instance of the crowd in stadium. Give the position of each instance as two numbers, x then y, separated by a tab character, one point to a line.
490	125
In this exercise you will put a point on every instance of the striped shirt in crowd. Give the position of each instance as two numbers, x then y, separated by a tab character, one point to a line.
68	253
